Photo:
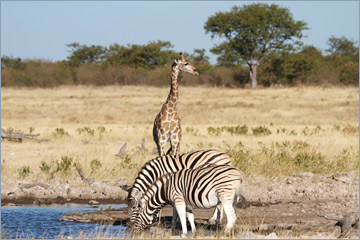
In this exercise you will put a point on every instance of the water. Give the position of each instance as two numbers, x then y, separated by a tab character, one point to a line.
42	222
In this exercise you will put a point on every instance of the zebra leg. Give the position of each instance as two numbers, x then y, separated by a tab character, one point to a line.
230	211
220	210
190	217
217	215
181	211
174	220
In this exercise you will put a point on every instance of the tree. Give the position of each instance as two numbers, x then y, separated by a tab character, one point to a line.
342	46
199	57
291	68
251	32
344	55
11	62
81	54
156	53
200	60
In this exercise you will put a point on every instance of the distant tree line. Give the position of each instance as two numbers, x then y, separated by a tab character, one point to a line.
262	46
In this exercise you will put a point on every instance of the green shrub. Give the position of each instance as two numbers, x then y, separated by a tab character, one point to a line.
287	158
60	132
45	167
86	130
31	129
192	131
261	131
214	131
64	166
242	130
24	172
95	165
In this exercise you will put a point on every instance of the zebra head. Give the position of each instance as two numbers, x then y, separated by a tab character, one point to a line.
133	197
140	218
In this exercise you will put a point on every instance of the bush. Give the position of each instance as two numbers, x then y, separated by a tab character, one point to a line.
64	166
60	132
24	172
286	158
242	130
95	165
45	167
86	130
261	131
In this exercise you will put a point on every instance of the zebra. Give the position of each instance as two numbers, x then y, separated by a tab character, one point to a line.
204	187
159	166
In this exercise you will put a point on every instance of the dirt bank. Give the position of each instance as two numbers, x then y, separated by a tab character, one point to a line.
284	206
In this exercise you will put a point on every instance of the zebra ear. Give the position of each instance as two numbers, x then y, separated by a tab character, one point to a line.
126	188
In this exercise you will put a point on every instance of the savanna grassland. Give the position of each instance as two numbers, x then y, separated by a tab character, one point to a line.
268	132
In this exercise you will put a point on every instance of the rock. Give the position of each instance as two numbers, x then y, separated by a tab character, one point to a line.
304	174
98	187
266	227
345	180
271	236
10	205
247	235
93	202
7	189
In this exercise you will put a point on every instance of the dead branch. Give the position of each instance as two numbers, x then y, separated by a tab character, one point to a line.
83	177
33	184
122	151
18	135
346	223
143	146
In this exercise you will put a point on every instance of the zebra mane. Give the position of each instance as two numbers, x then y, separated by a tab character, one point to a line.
155	186
139	193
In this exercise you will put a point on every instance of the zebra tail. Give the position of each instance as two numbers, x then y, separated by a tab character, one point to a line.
240	193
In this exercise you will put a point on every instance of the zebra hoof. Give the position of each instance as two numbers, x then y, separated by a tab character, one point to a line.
183	235
211	221
229	232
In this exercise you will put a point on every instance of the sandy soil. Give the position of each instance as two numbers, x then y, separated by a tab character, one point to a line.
281	207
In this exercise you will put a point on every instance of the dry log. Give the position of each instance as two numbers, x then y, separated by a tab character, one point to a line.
83	177
122	151
33	184
17	135
346	223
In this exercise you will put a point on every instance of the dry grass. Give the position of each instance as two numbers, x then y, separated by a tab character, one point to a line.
325	120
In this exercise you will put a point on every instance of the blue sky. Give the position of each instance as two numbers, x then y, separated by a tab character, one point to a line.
41	29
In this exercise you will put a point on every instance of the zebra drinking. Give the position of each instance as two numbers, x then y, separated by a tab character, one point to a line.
159	166
204	187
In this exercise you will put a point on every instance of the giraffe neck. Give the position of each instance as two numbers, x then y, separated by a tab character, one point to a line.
174	90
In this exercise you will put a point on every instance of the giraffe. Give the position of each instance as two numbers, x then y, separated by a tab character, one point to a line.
167	123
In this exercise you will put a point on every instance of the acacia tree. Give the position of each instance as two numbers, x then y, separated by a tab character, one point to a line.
251	32
81	54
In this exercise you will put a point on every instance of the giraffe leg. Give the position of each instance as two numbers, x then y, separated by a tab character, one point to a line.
161	143
175	144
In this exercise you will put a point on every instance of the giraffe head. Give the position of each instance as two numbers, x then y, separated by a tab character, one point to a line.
185	65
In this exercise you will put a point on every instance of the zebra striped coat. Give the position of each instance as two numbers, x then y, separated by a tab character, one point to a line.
159	166
204	187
